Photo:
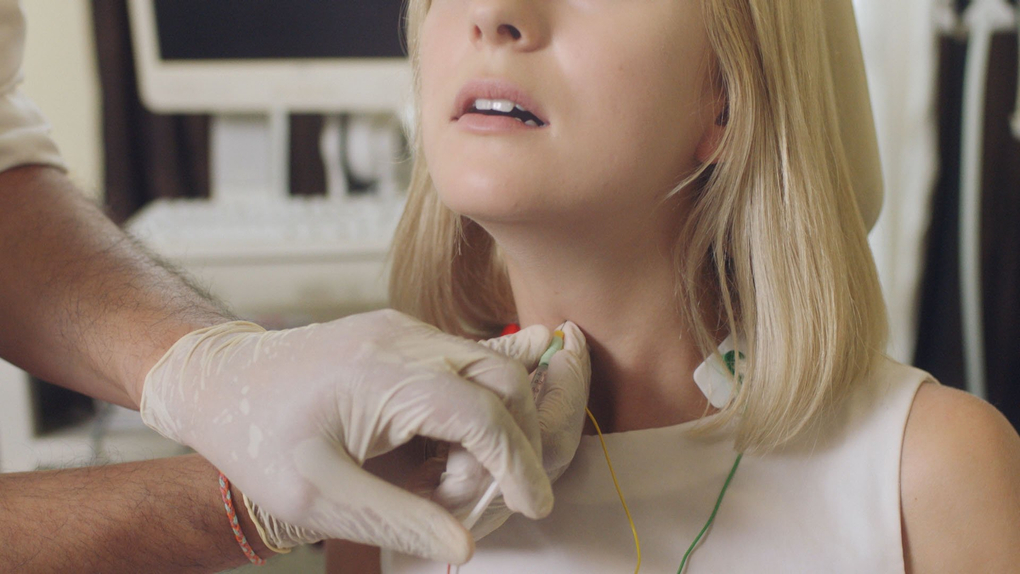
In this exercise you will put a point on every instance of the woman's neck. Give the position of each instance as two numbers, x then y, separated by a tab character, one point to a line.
643	357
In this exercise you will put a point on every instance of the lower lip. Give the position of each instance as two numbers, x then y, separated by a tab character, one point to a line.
491	124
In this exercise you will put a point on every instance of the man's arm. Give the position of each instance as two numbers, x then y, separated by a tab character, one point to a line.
154	516
81	304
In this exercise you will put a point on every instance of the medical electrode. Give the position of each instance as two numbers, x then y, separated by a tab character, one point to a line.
538	378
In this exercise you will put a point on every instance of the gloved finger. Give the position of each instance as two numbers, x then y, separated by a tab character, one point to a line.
525	346
362	508
480	422
560	410
562	402
464	494
570	368
462	485
507	379
465	479
500	371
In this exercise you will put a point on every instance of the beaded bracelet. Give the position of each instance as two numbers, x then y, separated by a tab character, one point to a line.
228	503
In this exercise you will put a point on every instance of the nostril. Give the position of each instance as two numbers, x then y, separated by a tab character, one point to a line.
509	30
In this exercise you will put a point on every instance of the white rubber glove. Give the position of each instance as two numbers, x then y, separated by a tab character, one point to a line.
290	416
561	411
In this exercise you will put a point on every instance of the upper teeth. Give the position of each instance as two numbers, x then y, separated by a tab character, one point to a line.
505	106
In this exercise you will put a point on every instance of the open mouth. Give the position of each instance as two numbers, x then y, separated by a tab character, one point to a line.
505	108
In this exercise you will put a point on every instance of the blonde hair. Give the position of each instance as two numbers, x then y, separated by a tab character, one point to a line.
774	247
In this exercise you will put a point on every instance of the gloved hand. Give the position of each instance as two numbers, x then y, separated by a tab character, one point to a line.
290	416
561	410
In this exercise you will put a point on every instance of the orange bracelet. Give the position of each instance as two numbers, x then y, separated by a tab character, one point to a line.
228	503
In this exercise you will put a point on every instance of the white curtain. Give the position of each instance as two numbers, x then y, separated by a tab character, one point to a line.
899	43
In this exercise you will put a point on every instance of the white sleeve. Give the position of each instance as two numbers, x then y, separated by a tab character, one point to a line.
24	132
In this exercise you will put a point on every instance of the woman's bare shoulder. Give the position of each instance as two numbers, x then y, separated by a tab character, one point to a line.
960	485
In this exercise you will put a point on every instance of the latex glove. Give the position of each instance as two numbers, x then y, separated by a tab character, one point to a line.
290	416
561	411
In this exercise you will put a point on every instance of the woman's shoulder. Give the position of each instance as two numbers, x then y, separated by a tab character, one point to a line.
959	485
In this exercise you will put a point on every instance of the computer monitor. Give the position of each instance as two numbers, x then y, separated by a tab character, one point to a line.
224	56
251	63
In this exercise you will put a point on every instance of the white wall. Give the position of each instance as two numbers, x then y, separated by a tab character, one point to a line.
899	43
61	77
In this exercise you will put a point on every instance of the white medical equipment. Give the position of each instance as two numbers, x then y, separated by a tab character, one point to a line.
250	65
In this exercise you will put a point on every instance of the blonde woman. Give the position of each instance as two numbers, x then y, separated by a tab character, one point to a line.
672	175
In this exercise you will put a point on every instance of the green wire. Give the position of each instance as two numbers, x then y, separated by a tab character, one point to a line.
730	359
712	517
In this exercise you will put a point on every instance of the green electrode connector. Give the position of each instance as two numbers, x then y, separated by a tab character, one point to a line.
538	379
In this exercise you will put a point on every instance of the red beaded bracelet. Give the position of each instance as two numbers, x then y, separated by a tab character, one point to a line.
228	503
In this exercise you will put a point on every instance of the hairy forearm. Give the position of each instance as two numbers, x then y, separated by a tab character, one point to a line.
154	516
81	305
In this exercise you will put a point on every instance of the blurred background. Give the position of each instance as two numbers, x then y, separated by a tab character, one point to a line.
943	81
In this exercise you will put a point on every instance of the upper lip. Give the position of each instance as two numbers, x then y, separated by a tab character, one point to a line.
495	89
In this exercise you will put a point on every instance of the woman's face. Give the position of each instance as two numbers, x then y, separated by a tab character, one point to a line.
616	98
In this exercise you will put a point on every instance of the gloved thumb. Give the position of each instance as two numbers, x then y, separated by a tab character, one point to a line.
562	401
570	368
525	346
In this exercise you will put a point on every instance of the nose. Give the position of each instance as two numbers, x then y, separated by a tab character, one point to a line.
508	23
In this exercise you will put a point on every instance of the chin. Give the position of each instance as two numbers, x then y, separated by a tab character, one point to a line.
490	196
487	208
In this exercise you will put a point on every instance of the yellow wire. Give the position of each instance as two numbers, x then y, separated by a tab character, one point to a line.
633	529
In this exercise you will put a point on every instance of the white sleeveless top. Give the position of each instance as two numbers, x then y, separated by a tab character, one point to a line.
830	502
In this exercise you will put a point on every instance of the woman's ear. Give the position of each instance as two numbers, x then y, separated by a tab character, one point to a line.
712	138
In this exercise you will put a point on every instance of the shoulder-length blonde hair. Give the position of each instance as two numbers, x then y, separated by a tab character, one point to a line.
775	237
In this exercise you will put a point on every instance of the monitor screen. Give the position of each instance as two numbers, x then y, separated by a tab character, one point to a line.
252	56
202	30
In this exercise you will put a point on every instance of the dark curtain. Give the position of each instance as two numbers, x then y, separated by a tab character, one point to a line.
148	155
940	340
